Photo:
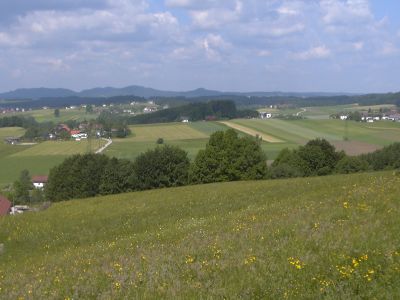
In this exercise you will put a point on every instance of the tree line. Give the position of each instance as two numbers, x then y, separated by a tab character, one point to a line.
226	157
211	110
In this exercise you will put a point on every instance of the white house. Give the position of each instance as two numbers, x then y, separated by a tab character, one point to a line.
39	181
343	117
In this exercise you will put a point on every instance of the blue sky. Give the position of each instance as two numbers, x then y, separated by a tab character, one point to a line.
235	45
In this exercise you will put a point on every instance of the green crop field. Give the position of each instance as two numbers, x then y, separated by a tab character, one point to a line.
169	132
38	159
45	115
334	237
363	137
62	148
191	137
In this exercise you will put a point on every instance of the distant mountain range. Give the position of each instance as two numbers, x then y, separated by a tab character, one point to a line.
141	91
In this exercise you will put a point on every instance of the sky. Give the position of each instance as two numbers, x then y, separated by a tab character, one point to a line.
228	45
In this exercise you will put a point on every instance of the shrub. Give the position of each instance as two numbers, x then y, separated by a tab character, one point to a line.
351	164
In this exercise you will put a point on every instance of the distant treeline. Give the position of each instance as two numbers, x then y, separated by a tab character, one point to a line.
218	109
17	121
240	101
108	124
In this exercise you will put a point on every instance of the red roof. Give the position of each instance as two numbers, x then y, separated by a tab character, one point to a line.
5	206
75	132
39	179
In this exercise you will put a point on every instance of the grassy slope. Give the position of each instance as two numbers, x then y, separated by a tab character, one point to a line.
327	237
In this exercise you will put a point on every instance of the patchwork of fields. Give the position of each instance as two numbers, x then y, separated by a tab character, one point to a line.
37	159
332	237
189	136
362	137
277	134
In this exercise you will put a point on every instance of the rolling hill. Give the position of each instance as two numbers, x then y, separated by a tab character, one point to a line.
332	237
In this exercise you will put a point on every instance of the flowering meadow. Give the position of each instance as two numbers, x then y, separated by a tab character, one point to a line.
333	237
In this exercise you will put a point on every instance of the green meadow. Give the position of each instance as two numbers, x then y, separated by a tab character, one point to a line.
334	237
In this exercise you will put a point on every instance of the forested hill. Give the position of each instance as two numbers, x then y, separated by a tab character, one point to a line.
240	100
220	109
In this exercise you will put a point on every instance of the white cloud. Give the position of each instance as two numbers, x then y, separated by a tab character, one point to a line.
213	18
358	46
318	52
347	11
389	49
264	53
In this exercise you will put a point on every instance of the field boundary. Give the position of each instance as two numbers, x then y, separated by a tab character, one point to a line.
252	132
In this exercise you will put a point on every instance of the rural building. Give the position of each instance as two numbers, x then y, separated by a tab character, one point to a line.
12	140
5	206
265	115
343	117
39	181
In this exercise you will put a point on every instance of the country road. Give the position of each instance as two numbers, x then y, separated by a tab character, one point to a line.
109	142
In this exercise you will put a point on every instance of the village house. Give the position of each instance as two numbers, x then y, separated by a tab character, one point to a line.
39	181
5	206
265	115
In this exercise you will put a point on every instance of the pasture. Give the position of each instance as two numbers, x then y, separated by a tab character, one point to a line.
333	237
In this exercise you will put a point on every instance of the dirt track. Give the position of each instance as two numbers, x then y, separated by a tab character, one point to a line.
249	131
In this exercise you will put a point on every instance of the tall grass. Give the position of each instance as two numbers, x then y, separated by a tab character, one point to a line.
334	237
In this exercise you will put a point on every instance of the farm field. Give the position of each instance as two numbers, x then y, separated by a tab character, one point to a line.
323	112
363	137
37	159
333	237
47	115
191	137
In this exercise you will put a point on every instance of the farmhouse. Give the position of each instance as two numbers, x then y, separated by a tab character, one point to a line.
343	117
5	206
265	115
39	181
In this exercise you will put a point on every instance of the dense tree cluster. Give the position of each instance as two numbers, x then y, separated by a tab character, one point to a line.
17	121
318	157
228	157
113	125
212	110
88	175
